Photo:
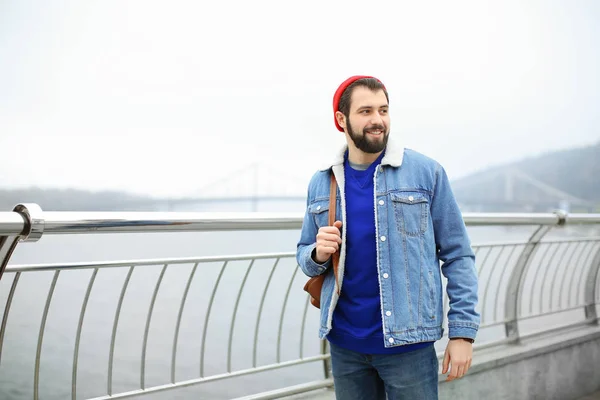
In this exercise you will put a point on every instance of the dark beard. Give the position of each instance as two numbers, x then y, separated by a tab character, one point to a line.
363	143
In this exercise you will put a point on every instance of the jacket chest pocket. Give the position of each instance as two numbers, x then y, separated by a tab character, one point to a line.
411	211
319	209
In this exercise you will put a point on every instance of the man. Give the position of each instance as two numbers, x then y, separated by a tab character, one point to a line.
396	220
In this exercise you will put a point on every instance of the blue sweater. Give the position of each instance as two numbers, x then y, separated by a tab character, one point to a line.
357	322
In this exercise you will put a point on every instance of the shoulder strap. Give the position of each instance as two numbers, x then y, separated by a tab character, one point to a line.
335	257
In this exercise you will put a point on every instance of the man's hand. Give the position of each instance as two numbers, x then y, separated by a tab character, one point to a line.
329	239
459	353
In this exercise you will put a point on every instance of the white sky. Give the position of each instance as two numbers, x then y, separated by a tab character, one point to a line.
163	98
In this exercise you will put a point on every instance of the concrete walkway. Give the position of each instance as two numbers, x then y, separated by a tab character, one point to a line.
328	394
321	394
593	396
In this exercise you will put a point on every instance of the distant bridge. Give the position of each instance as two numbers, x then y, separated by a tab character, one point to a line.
253	185
502	189
510	189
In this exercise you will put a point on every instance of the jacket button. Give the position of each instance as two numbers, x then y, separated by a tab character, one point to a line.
388	313
386	275
383	238
410	198
381	202
318	208
391	340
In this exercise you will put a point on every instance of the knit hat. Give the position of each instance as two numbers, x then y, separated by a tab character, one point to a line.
340	90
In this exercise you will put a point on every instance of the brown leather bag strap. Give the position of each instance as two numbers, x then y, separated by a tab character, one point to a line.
335	257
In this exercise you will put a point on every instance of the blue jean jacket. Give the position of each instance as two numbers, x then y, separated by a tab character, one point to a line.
420	235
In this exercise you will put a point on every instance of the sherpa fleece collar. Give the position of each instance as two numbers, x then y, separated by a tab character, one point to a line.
394	153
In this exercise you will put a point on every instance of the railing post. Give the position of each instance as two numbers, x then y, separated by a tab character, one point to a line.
591	288
514	290
326	362
33	230
7	246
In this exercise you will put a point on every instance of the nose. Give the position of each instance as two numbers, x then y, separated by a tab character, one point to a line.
376	119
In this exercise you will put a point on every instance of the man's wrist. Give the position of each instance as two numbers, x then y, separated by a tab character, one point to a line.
313	256
464	338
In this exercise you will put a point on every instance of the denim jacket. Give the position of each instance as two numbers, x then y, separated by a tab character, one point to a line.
420	235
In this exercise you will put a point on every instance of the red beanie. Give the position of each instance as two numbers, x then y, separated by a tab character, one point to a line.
340	91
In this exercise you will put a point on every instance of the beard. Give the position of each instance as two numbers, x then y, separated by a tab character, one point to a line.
368	144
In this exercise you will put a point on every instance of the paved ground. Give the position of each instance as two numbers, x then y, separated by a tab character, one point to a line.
327	394
593	396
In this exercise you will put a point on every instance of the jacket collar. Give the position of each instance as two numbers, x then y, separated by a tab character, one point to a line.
394	153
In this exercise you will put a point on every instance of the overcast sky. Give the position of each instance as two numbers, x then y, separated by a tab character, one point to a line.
163	98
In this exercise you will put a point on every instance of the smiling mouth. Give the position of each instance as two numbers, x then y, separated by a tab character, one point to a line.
375	132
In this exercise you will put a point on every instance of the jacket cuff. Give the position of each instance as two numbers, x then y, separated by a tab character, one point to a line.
461	330
312	264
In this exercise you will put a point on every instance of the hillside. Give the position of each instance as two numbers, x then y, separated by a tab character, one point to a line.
74	200
571	174
576	171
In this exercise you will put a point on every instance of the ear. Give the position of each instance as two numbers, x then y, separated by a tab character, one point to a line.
341	119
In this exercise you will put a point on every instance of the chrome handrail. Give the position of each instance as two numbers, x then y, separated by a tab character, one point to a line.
67	222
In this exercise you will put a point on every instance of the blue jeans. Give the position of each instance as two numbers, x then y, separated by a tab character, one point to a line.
412	375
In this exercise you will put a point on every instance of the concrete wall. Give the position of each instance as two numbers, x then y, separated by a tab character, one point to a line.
561	366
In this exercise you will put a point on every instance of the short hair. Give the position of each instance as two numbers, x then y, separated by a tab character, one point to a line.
370	83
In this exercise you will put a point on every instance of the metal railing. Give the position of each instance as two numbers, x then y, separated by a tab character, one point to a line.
233	318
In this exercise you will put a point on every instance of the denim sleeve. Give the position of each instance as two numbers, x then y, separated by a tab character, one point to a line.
306	245
454	249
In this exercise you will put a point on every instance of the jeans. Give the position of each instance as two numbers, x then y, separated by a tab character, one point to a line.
412	375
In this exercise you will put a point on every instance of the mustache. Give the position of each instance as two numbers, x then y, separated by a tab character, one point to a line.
380	127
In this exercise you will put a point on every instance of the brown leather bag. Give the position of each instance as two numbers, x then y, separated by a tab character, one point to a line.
314	284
